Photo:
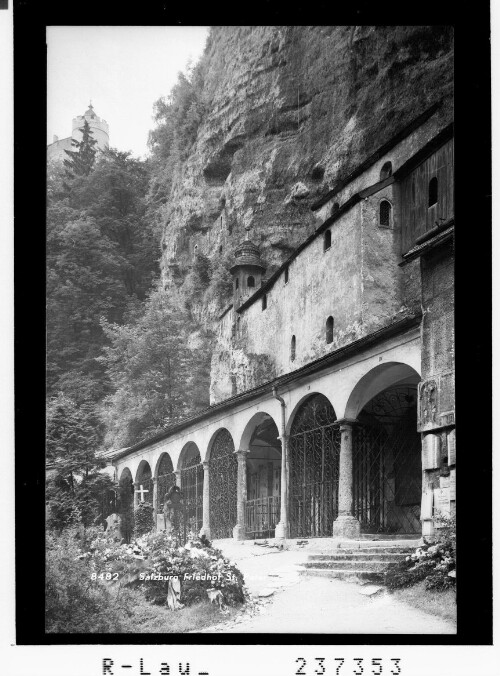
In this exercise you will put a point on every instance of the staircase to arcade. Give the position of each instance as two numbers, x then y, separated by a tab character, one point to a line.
362	560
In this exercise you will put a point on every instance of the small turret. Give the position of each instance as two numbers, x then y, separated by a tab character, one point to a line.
247	271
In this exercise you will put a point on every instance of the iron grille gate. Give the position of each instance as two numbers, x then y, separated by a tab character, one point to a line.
166	479
192	491
223	468
387	469
314	448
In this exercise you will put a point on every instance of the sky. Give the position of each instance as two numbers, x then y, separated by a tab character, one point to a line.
123	70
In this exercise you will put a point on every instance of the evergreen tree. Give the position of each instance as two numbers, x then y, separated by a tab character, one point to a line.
80	162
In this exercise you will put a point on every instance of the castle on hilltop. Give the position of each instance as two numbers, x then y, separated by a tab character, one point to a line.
98	127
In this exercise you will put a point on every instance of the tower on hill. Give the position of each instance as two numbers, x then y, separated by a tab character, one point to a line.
98	127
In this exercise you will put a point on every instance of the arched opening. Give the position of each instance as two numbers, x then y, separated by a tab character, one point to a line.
191	469
313	451
292	348
223	472
327	240
236	283
263	480
251	282
329	330
387	466
144	483
385	214
433	191
165	479
386	171
126	504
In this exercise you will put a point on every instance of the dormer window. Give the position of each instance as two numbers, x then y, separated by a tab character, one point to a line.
327	240
385	214
251	282
386	171
433	191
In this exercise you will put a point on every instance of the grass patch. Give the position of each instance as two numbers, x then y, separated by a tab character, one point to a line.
140	616
440	603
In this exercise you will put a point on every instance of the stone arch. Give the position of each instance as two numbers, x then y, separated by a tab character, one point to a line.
386	450
375	381
191	479
188	455
223	473
293	413
144	478
263	475
313	456
165	478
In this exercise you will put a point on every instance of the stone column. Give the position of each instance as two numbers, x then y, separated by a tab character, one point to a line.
178	477
346	525
153	498
241	495
205	529
281	531
137	485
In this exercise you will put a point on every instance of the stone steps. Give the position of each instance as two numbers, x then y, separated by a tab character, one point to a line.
357	560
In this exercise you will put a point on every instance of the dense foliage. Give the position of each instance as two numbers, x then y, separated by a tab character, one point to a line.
143	519
434	562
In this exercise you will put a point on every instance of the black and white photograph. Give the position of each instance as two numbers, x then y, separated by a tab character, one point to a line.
250	339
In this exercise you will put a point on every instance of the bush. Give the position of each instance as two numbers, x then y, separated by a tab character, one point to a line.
75	603
151	560
434	562
143	519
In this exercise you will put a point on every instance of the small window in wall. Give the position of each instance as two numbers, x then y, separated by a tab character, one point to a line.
336	207
264	301
286	275
251	282
329	330
292	349
433	191
385	214
386	171
327	240
236	283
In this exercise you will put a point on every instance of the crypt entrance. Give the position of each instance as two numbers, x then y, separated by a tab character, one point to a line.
191	476
387	466
263	479
313	452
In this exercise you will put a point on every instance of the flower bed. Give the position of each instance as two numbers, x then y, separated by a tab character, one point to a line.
152	560
434	562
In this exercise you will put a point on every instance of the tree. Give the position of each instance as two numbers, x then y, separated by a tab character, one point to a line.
155	370
80	162
74	480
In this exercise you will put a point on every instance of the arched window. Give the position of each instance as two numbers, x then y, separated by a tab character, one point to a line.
386	171
385	213
329	330
433	191
264	301
236	283
251	282
327	240
292	349
286	275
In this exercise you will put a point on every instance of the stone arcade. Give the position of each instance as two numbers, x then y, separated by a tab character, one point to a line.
349	425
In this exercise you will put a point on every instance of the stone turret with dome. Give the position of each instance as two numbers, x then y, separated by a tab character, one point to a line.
247	271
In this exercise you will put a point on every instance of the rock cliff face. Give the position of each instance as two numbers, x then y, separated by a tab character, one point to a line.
291	111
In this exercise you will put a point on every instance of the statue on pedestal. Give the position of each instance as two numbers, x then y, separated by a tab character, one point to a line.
172	510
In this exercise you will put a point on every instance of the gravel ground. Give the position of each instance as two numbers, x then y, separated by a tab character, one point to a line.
286	602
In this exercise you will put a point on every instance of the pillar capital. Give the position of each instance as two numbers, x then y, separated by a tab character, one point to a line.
154	479
206	465
346	423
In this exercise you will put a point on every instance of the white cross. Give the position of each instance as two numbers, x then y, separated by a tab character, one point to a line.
142	491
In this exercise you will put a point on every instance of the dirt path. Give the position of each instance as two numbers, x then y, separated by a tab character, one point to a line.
286	602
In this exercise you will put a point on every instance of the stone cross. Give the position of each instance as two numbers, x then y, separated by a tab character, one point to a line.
142	490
